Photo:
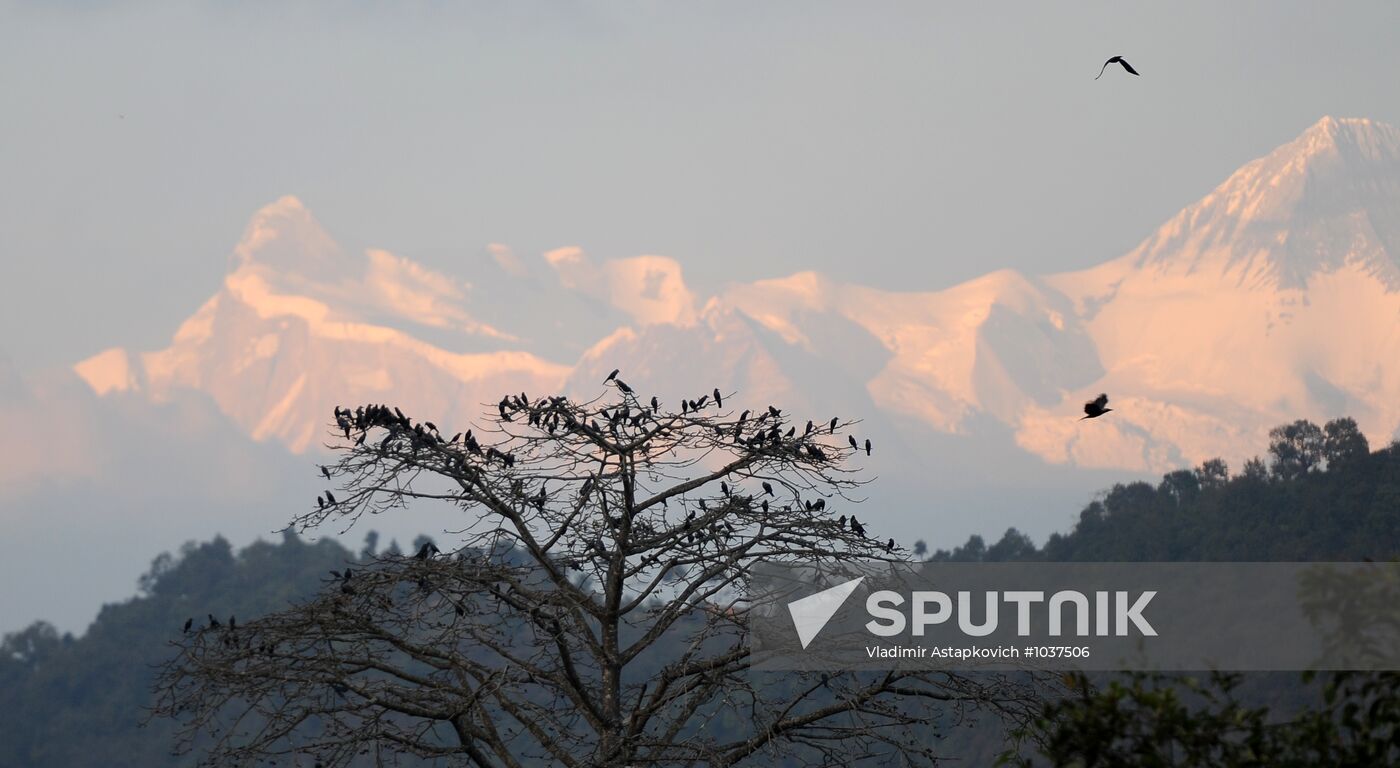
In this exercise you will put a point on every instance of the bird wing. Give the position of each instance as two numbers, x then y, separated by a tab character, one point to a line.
1104	67
1127	66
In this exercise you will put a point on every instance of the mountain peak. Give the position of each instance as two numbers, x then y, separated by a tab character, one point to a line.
285	236
1353	139
1328	198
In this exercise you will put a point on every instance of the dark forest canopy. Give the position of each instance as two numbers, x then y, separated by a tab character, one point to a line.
78	701
1320	495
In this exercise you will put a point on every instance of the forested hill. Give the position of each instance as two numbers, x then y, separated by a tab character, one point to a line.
1320	494
76	702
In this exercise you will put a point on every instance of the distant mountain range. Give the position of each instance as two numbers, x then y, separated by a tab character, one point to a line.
1275	296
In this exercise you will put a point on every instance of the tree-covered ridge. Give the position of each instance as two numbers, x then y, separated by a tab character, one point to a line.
80	701
1320	495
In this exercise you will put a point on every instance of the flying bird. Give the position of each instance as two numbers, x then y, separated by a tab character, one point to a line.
1096	407
1117	60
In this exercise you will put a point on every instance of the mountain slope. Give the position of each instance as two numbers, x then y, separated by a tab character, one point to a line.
1273	297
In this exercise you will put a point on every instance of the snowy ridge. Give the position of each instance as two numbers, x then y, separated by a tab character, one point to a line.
1273	297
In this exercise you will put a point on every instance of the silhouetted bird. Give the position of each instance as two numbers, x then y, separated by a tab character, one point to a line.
889	545
1117	60
767	488
329	498
867	446
188	623
852	440
232	623
1096	407
832	430
622	385
213	622
320	502
612	375
426	551
719	401
856	527
325	472
655	404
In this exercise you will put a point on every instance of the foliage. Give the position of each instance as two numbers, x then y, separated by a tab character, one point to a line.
1324	497
73	702
1157	721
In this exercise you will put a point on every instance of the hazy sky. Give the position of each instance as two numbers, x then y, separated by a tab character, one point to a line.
895	144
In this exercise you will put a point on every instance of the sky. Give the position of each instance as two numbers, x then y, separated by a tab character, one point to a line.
901	145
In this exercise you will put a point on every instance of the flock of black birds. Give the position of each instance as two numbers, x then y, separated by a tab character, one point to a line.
553	415
214	625
761	431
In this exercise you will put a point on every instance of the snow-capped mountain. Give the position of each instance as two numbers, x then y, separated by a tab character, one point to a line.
1275	296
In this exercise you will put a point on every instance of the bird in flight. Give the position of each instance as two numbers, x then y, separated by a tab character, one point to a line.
1117	60
1096	407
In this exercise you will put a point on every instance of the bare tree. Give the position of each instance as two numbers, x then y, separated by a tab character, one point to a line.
592	611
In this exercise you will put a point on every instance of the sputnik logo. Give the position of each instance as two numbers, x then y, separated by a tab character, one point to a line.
811	613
